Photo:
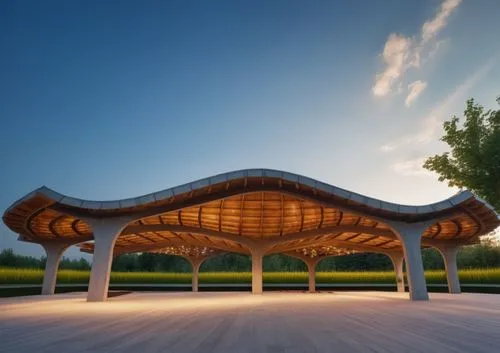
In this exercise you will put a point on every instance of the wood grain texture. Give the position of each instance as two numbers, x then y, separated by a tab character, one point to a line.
240	322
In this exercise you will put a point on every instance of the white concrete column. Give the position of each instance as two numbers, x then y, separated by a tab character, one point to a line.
257	256
311	266
397	261
54	251
105	231
450	262
196	264
410	236
312	278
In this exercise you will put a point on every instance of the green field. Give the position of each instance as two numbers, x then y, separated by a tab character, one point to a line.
35	276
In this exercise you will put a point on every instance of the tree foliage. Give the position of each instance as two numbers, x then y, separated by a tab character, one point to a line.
10	259
474	159
486	255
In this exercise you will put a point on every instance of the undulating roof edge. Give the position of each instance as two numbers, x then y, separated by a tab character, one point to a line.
254	173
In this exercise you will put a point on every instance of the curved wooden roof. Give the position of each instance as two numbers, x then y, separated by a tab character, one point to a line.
227	211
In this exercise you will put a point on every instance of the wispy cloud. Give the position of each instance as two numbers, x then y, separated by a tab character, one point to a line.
401	53
415	88
432	27
412	167
395	56
432	123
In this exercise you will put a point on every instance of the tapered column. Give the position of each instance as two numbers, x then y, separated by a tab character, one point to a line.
312	278
311	266
450	262
106	231
195	264
410	237
257	257
397	261
54	253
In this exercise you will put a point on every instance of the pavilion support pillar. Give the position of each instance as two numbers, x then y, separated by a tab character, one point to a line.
54	251
106	231
311	263
196	275
311	267
410	235
195	264
397	260
449	255
257	257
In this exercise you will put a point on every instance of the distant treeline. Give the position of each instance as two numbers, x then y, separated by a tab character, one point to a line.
477	256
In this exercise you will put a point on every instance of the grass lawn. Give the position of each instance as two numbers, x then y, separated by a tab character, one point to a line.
35	276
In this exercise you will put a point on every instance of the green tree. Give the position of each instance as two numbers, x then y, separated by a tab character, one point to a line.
8	258
474	160
147	262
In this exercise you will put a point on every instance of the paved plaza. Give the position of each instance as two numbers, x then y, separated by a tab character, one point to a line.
239	322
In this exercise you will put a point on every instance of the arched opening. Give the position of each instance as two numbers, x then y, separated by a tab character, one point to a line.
373	266
283	270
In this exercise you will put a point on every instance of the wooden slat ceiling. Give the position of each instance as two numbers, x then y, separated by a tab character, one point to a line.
260	216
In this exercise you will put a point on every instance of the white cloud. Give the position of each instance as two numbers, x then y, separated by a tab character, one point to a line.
432	123
415	88
432	27
433	49
412	167
395	55
401	52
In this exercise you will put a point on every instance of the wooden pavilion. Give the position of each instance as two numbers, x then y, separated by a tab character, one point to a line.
255	212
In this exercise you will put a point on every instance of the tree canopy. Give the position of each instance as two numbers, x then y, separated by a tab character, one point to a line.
486	255
474	159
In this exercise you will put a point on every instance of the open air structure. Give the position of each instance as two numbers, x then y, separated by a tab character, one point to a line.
255	212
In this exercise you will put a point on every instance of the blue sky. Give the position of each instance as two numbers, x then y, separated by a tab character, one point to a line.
105	101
